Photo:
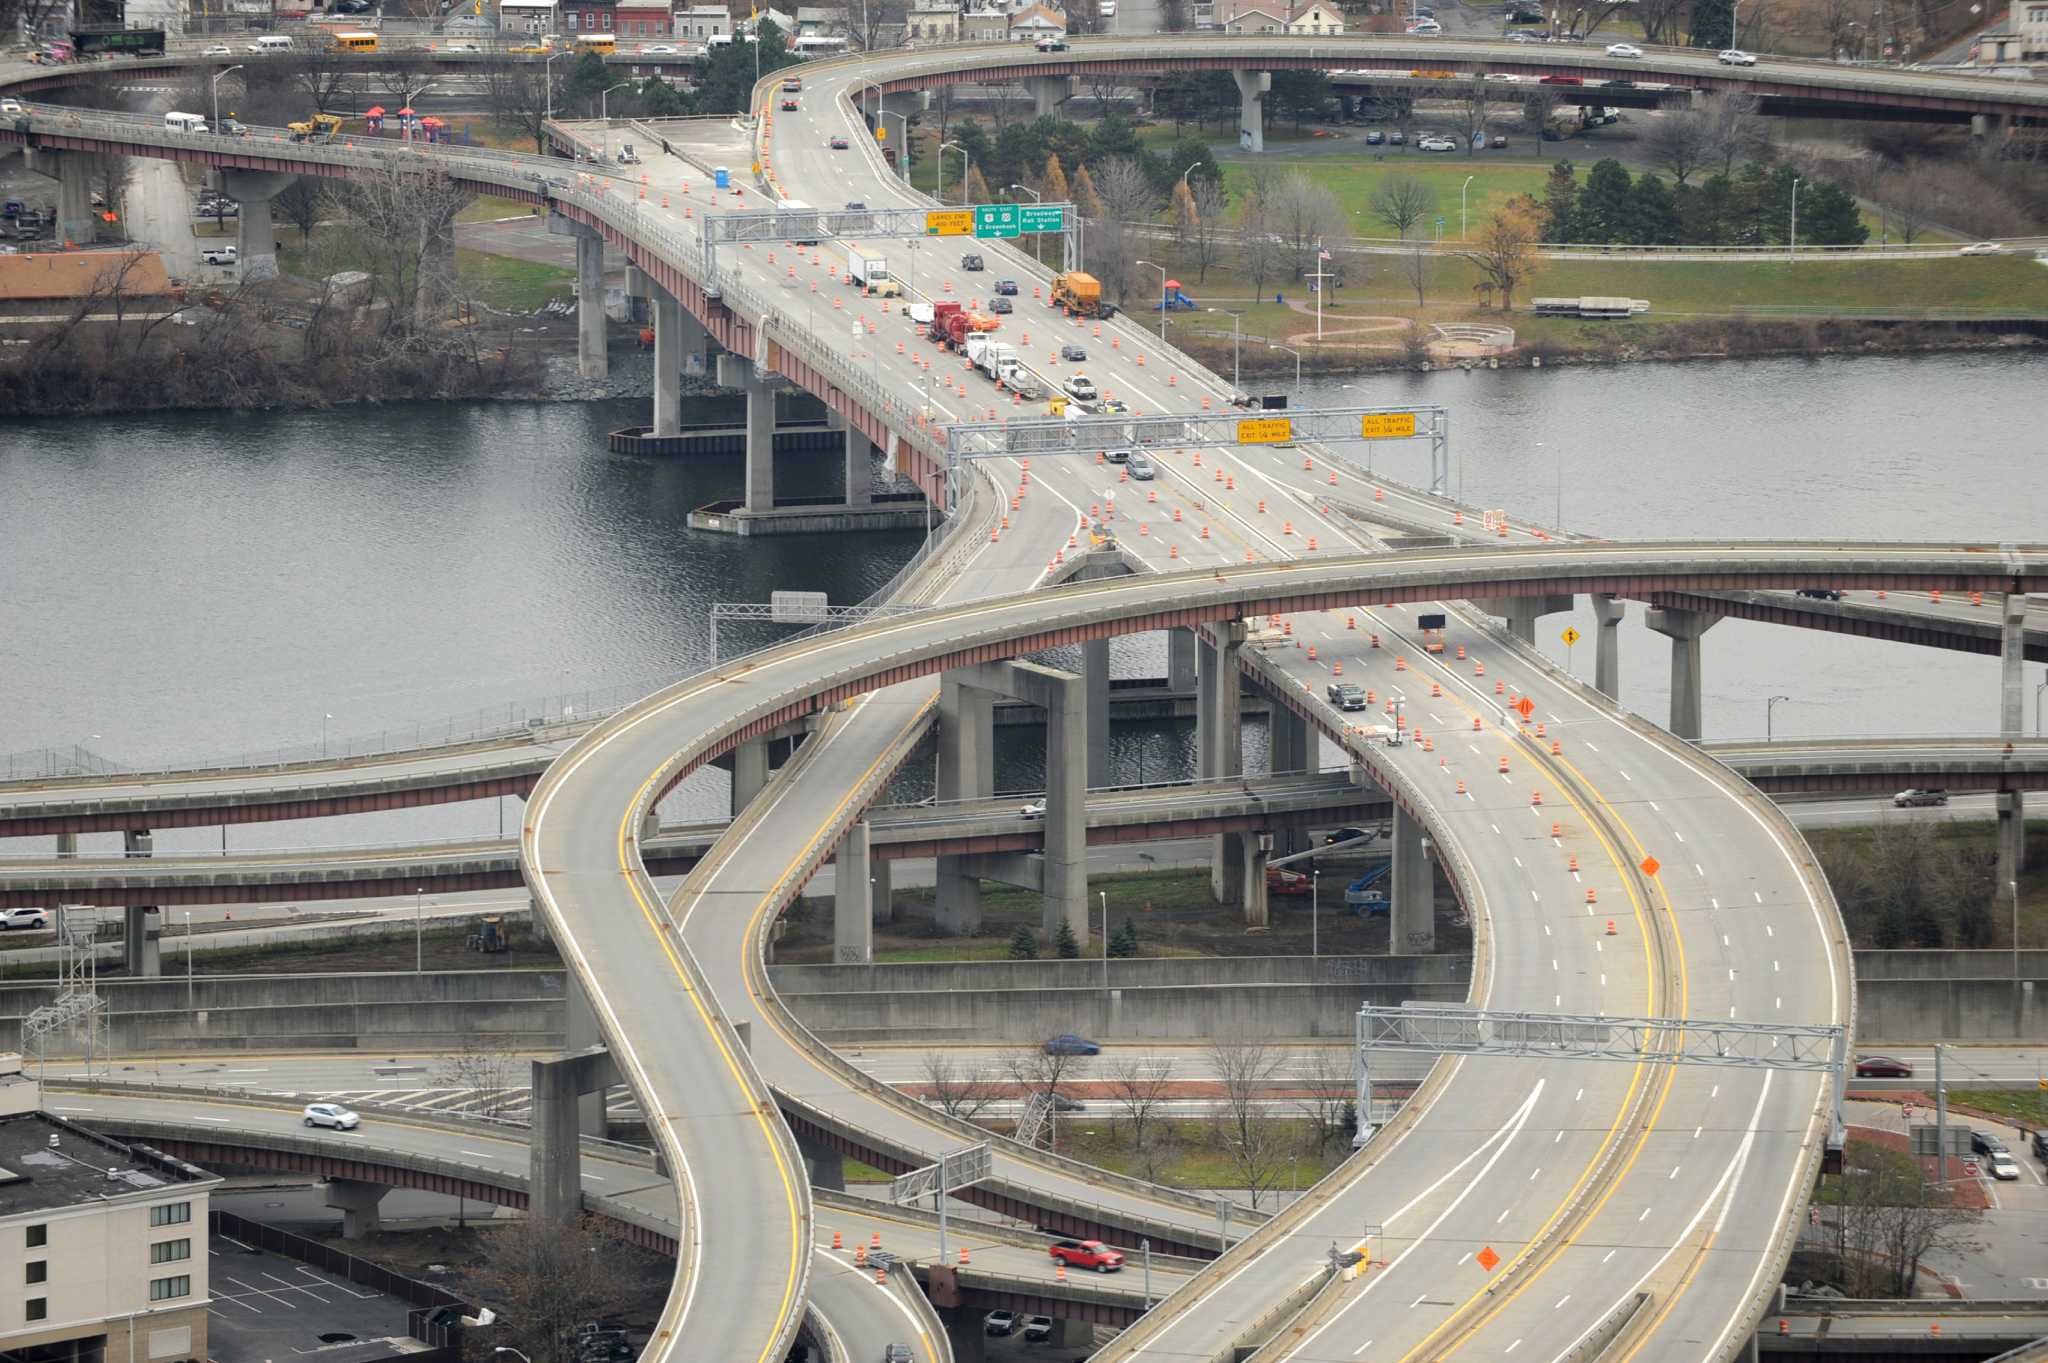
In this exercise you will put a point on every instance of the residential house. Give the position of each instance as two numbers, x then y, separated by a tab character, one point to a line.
1038	22
1251	16
1316	18
2023	37
589	16
931	24
701	22
985	26
640	20
815	21
526	18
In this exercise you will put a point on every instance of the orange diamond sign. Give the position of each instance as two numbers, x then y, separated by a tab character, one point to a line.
1526	707
1651	866
1488	1260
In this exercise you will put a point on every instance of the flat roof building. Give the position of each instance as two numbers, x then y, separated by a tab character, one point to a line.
104	1244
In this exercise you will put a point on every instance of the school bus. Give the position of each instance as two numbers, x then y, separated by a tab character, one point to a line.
603	44
355	42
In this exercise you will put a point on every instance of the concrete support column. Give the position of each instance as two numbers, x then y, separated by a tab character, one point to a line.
668	364
592	359
357	1201
749	772
137	842
966	772
556	1154
1252	87
75	220
760	444
142	948
1066	804
882	892
1257	848
67	846
1095	671
860	468
853	901
581	1033
1607	613
1683	628
827	1166
1180	661
1219	744
1413	900
2012	656
1290	744
965	1333
1048	93
2012	838
255	234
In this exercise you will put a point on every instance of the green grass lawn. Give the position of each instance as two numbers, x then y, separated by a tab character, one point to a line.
485	208
1494	182
2026	1107
518	285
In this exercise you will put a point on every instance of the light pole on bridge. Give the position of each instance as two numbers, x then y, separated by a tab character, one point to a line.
1297	361
547	78
604	115
214	81
1770	704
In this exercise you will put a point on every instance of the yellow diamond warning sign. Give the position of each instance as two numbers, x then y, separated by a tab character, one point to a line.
1265	430
1386	425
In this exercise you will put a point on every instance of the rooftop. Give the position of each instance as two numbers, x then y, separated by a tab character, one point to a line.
72	274
47	1163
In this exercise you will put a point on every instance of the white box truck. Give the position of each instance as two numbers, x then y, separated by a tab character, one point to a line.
866	269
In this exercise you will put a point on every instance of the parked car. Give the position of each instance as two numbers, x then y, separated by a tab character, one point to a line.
1068	1044
1087	1254
1375	138
1735	56
2041	1146
1397	138
1882	1067
1038	1330
1436	144
1143	469
1500	140
1078	354
1346	696
219	255
999	1323
1629	50
332	1115
971	264
24	918
662	50
1915	796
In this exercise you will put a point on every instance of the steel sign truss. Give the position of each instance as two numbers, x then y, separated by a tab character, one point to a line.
827	224
1183	430
956	1170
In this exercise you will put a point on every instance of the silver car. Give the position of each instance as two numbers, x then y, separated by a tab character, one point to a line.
1142	468
331	1115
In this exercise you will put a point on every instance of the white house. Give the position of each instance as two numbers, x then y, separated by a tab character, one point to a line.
699	23
1038	22
1251	16
527	16
985	26
930	24
1316	18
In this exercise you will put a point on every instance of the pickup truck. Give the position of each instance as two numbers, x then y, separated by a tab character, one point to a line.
1345	696
1087	1254
1081	388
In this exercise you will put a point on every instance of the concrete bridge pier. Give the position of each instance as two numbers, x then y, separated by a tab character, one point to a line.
853	899
1219	748
1095	670
1291	745
1048	93
738	372
749	772
826	1166
581	1033
67	846
593	361
668	364
965	1333
1683	628
966	772
142	941
136	842
2012	654
1063	875
860	467
1252	88
1607	613
1180	661
1258	847
1412	901
1522	612
881	890
357	1202
256	235
555	1168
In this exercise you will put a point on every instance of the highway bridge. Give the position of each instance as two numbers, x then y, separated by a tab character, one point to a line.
1548	829
1171	810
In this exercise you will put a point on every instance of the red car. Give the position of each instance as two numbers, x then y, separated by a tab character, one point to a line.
789	106
1564	80
839	144
1882	1067
1087	1254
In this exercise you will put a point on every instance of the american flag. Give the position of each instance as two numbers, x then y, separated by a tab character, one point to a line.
1322	255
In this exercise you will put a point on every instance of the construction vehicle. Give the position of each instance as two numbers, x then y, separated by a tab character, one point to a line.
489	937
994	358
1079	294
869	270
1363	895
942	316
318	128
1175	300
961	325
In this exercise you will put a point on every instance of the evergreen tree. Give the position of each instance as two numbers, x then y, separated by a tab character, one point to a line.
1830	216
1653	214
659	99
1064	944
1560	198
1023	944
1713	24
1124	942
588	78
1603	209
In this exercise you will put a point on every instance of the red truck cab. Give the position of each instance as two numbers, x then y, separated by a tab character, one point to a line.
1087	1254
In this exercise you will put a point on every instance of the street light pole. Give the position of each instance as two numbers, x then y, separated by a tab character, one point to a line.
965	166
1315	914
419	949
1792	242
324	717
1162	294
1104	894
1297	364
214	80
547	78
1184	175
1770	703
604	112
1461	205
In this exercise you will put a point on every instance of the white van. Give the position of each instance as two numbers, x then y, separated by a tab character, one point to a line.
271	42
185	123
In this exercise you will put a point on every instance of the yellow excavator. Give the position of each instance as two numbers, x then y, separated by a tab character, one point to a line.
318	128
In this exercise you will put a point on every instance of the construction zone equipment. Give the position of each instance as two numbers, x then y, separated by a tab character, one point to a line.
1080	294
318	128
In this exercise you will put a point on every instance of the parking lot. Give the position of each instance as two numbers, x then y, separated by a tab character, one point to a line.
267	1308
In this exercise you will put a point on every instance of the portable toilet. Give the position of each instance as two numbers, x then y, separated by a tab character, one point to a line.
721	177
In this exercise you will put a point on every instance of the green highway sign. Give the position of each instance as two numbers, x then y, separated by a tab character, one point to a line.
1032	218
995	220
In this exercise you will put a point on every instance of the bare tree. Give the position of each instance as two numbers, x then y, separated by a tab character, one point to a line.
1330	1099
1505	248
300	202
490	1072
544	1281
322	77
1128	201
1258	1144
1843	22
403	222
1205	240
1681	141
1140	1088
1173	16
1259	244
1401	201
957	1093
1415	269
1888	1217
1468	107
1909	200
1303	213
1538	103
519	95
1736	130
1038	1073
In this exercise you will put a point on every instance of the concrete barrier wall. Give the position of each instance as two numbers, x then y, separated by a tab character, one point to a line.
522	1009
1950	1010
1948	965
1144	973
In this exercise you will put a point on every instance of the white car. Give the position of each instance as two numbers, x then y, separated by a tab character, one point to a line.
1624	50
24	918
1038	1330
1735	56
216	50
1436	144
999	1323
1982	248
2001	1165
331	1115
660	50
1428	28
11	106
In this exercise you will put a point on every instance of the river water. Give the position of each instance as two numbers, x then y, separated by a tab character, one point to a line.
197	584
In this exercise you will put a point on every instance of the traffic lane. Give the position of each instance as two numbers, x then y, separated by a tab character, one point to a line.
867	1316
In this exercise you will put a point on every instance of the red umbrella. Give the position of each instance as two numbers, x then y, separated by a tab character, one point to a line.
432	122
374	111
406	112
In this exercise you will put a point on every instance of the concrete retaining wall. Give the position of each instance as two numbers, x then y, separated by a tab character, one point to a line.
437	1010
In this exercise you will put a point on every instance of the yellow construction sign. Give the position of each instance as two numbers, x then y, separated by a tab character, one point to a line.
1265	430
1386	425
951	222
